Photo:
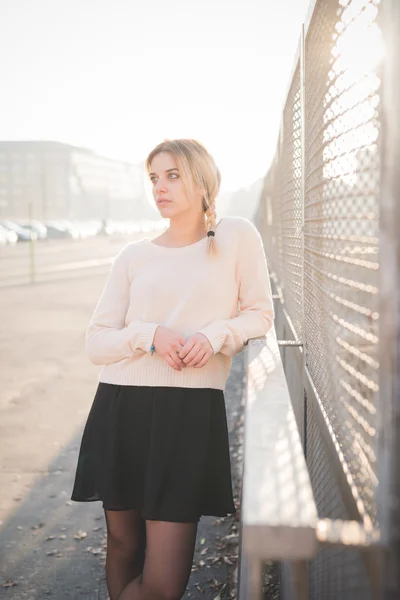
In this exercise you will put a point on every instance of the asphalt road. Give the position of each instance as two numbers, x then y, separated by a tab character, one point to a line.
59	259
49	546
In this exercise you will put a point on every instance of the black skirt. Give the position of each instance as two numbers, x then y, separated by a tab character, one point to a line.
163	451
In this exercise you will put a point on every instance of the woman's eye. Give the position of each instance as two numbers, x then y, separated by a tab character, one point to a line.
170	176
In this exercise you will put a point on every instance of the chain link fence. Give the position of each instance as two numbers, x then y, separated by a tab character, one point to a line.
319	218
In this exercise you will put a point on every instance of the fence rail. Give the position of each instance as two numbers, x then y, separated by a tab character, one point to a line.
324	222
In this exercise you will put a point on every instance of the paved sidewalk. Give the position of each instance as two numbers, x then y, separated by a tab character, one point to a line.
50	547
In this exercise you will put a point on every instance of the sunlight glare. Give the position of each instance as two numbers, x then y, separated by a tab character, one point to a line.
352	99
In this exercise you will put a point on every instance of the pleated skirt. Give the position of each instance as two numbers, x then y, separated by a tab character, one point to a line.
163	451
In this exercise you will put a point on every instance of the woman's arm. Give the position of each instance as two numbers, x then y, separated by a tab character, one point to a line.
256	314
108	340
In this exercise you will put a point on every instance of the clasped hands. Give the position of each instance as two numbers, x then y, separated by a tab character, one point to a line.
179	352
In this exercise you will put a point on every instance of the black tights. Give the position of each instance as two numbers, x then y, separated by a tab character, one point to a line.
149	560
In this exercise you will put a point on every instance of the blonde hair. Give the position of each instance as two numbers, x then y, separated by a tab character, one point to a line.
197	168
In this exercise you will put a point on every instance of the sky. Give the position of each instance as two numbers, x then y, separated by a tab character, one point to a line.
119	76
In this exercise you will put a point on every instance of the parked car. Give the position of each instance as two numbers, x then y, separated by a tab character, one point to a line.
7	236
61	229
37	227
87	229
3	237
24	235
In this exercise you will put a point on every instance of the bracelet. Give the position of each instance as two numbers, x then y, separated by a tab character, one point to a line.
152	349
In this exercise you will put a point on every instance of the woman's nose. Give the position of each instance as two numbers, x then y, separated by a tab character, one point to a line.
160	185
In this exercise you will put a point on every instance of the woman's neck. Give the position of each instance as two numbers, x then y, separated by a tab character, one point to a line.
184	233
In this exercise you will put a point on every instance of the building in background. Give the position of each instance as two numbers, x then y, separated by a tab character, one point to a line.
60	181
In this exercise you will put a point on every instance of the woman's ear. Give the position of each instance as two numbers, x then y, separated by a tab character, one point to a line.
201	194
200	191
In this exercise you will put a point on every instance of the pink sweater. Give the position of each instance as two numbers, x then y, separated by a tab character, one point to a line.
188	291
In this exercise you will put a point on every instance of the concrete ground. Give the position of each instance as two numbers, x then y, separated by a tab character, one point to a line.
49	546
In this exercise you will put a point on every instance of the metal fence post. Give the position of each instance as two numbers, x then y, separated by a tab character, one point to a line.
389	394
299	578
32	242
303	200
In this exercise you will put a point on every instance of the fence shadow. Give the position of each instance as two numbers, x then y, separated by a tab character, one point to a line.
51	547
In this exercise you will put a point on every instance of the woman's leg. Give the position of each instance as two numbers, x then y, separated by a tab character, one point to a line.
126	538
168	562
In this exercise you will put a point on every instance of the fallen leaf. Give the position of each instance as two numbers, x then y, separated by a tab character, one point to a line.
202	541
233	537
196	585
9	583
62	536
80	535
203	551
51	537
220	592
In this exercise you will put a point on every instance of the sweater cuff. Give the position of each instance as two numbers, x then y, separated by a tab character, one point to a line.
142	335
216	334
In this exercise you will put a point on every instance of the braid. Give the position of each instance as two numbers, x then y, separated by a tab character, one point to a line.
211	223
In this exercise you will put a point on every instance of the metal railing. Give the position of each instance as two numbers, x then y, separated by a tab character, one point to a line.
327	212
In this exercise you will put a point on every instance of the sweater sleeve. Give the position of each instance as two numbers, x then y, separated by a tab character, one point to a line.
256	314
108	340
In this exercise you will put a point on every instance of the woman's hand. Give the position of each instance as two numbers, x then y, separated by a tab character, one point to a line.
168	344
197	351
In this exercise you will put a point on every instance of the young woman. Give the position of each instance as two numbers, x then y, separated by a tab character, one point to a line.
174	311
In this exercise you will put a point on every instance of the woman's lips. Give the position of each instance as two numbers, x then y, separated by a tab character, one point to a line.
163	201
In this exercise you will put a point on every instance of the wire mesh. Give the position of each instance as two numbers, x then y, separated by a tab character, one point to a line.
269	213
291	206
336	572
331	266
341	230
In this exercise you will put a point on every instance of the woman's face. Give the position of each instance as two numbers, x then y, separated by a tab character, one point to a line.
169	192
